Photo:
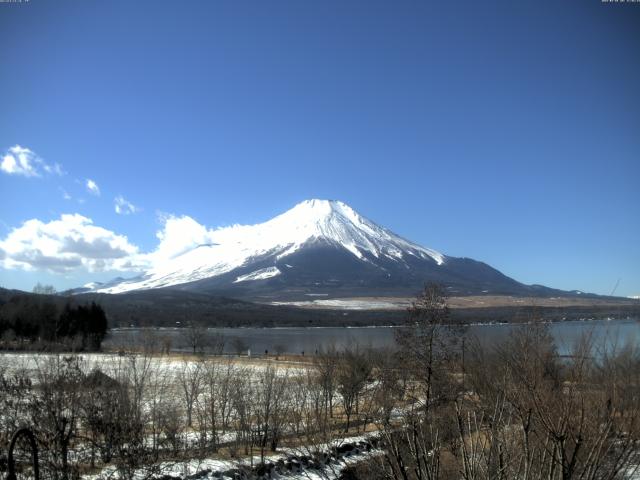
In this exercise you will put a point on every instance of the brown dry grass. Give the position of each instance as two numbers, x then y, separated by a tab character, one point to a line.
477	301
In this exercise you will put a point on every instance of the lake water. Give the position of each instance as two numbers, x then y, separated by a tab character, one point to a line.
308	340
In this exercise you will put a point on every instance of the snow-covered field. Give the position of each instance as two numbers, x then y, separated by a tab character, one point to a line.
353	303
173	365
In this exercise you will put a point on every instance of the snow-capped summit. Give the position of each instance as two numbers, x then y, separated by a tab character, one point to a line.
337	222
317	247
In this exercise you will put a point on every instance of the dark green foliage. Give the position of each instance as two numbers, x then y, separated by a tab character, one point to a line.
41	321
87	322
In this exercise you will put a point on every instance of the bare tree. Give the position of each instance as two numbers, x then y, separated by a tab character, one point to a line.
216	398
44	289
191	378
353	373
55	409
326	366
242	397
413	443
16	388
240	346
134	412
195	336
216	343
270	407
539	416
428	345
160	405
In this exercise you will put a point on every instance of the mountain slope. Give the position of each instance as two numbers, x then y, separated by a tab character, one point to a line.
318	248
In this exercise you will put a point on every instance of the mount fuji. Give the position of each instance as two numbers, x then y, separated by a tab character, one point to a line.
319	248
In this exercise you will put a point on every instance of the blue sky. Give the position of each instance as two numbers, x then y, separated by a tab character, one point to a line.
505	131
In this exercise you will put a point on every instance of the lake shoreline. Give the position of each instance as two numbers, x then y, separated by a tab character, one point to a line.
262	342
320	327
309	340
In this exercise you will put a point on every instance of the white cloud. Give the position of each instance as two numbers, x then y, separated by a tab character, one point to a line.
70	243
73	243
123	206
19	160
92	187
179	235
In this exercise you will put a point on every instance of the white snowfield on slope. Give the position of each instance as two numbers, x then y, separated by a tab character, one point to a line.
312	220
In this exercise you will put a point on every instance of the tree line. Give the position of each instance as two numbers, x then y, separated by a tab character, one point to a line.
46	322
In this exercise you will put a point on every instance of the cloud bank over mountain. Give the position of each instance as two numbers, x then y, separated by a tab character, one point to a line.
73	242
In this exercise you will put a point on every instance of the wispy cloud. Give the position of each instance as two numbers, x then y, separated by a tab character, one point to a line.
55	169
123	206
65	194
23	161
92	187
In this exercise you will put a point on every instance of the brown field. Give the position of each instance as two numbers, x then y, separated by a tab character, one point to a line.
476	301
509	301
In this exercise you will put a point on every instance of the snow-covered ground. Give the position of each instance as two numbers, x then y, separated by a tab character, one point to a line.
260	274
352	304
31	363
290	460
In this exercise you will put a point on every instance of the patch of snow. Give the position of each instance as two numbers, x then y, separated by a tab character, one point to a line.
261	274
632	472
215	468
351	304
